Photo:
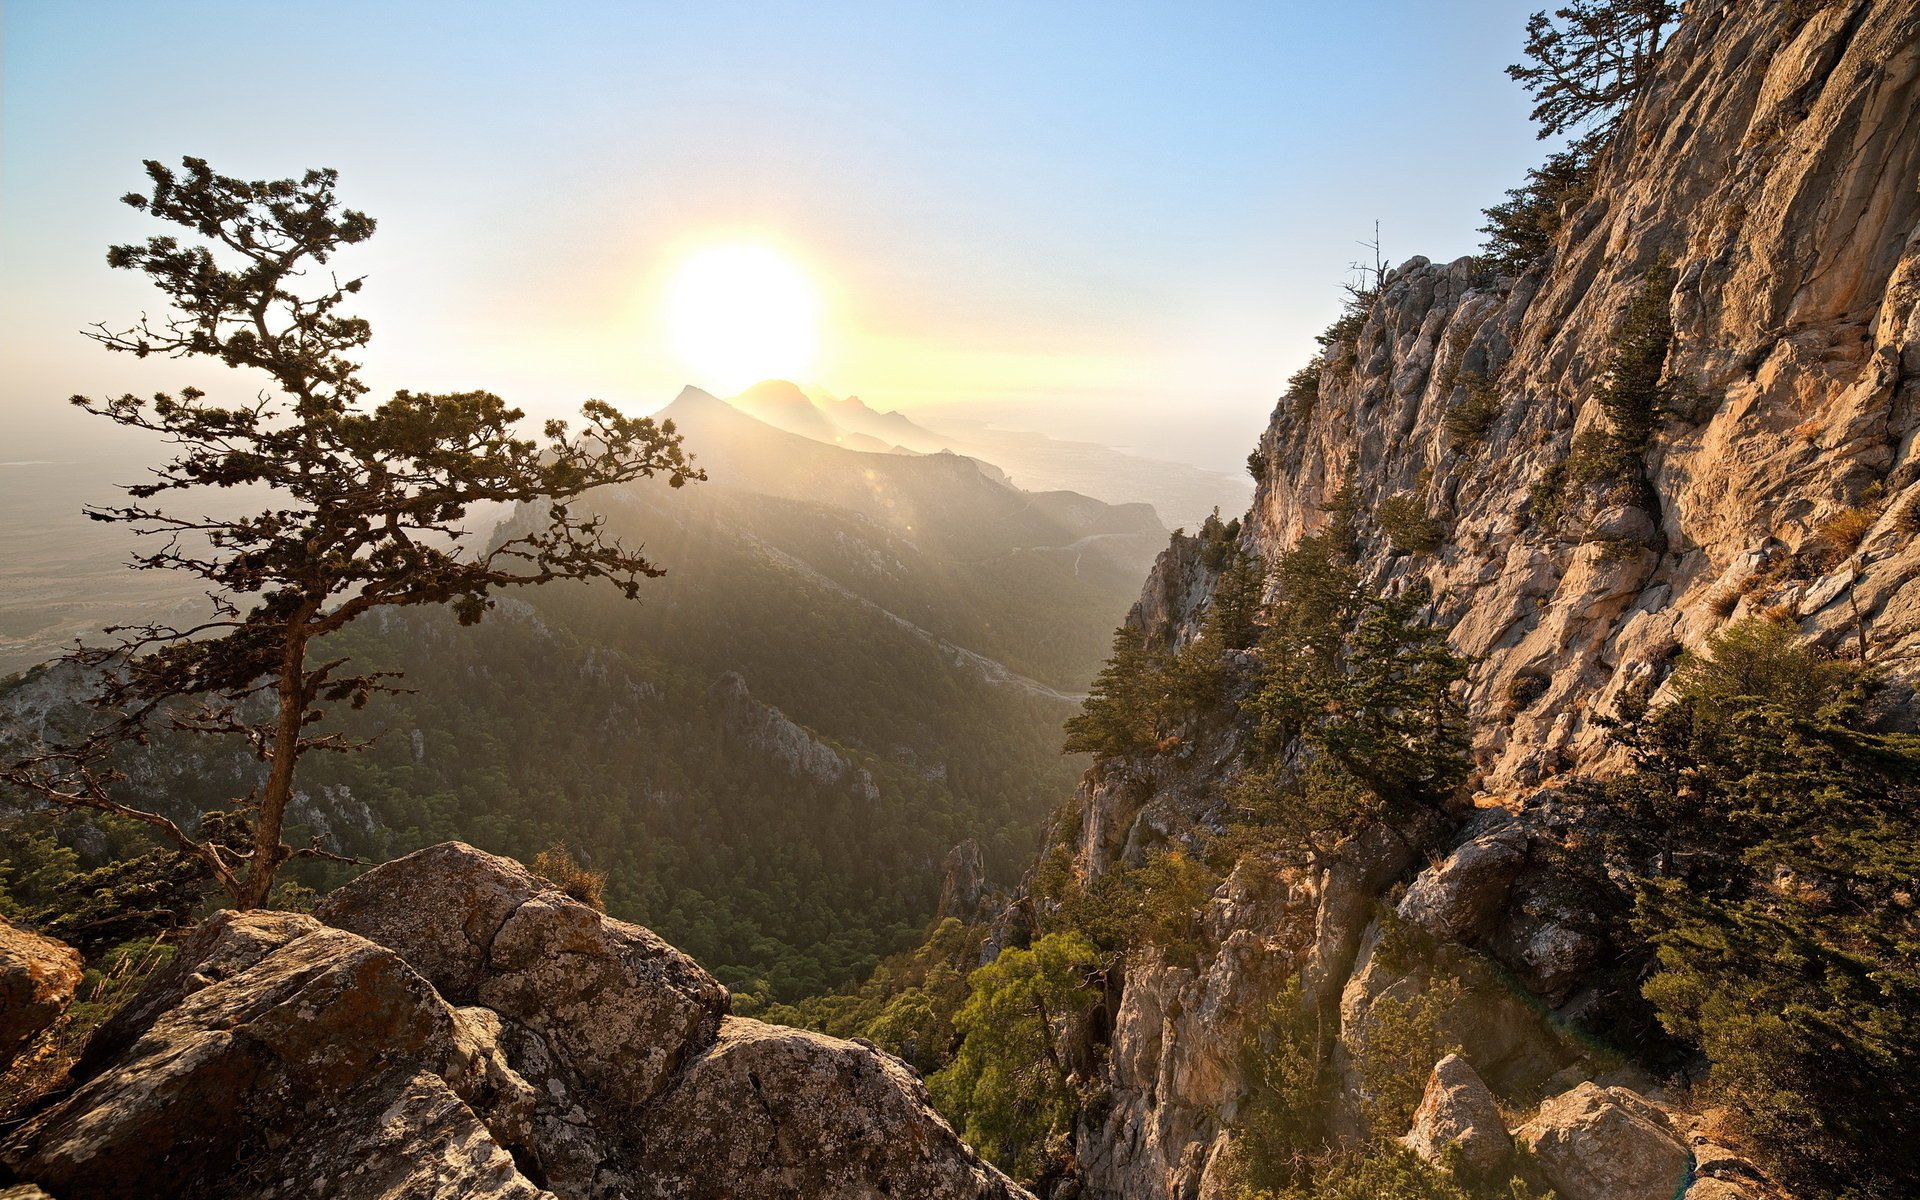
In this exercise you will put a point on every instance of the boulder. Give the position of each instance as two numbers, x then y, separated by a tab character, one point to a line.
325	1066
1460	899
619	1004
276	1058
38	976
1457	1110
1595	1143
775	1112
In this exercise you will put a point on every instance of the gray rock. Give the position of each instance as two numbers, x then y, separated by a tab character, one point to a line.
775	1112
1597	1143
1460	899
1457	1110
322	1067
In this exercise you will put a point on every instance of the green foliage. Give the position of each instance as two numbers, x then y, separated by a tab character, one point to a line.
1157	902
1469	421
133	891
1303	386
1368	685
1006	1088
1777	837
1280	1132
906	1007
1403	518
1586	62
1338	340
1395	1047
1520	231
1631	394
1257	464
1127	705
1389	716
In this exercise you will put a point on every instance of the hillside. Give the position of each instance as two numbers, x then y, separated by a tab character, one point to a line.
1479	731
855	662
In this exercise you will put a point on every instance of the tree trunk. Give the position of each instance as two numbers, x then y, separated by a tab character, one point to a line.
268	850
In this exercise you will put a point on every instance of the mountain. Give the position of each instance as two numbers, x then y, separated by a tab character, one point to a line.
1182	494
1639	511
855	662
784	406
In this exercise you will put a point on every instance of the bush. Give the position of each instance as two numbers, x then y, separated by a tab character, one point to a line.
1521	230
1398	1042
1469	421
1403	518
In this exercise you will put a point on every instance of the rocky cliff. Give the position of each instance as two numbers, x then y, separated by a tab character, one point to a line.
451	1027
1770	174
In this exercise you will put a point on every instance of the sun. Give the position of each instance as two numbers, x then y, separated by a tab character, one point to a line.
743	313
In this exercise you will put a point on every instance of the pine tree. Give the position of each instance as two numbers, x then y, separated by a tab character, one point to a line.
1589	59
362	508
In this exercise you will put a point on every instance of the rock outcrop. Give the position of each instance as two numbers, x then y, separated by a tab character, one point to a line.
1769	165
38	976
1595	1143
1457	1113
458	1029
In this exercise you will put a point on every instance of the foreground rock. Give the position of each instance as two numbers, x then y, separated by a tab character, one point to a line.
771	1111
38	976
469	1032
1595	1143
1458	1111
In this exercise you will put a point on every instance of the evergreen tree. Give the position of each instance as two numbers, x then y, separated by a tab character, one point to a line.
363	509
1776	838
1007	1086
1122	711
1586	61
1520	230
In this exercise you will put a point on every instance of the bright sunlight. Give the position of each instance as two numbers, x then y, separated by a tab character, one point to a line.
740	314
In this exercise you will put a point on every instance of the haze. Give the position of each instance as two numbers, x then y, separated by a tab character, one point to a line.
1120	223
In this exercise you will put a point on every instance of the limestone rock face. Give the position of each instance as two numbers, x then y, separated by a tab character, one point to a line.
1770	162
963	884
1458	1110
37	978
1596	1143
540	1051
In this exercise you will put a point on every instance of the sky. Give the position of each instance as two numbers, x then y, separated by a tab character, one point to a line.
1118	222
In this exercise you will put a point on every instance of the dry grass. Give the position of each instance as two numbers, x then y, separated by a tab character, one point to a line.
559	867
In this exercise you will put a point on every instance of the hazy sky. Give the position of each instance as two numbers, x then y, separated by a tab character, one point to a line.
1118	221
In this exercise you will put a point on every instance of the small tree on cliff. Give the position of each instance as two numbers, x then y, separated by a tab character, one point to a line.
358	508
1587	60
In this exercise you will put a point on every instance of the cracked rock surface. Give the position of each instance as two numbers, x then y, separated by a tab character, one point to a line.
456	1028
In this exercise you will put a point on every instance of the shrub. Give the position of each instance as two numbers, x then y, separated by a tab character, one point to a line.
1303	389
1521	230
1403	518
1398	1043
1469	421
1524	688
1841	534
